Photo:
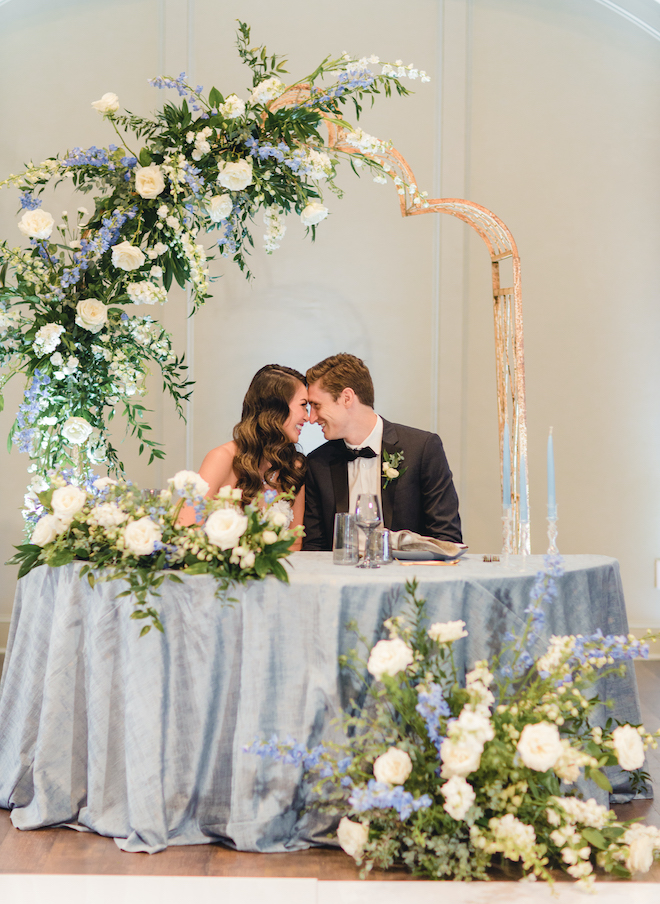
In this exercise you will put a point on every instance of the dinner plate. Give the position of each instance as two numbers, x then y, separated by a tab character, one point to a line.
423	555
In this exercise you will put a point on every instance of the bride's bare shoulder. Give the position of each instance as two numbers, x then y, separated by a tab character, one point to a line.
217	467
221	454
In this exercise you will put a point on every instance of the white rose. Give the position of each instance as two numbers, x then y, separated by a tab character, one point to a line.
219	207
640	857
92	314
392	767
224	492
127	256
102	482
459	796
189	480
237	494
459	758
278	518
352	836
46	529
225	527
67	501
313	213
140	537
269	536
109	103
447	632
628	747
391	473
36	224
540	746
389	657
236	176
149	182
107	515
76	430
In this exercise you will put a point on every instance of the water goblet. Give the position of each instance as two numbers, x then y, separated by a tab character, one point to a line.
368	517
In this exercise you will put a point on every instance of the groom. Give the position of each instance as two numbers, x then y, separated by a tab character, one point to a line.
362	447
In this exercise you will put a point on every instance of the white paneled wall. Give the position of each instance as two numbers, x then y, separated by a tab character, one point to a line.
544	111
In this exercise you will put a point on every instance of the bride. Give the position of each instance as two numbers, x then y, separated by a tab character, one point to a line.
262	455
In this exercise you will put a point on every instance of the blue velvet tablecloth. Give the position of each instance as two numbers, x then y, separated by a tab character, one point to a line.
141	739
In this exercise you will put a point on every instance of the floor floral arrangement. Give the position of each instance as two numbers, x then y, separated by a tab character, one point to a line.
197	172
121	532
449	777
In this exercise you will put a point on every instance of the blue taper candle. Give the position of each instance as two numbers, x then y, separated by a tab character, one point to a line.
552	501
506	468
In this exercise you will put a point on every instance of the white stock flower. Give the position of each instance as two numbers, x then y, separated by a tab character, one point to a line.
67	501
539	746
219	207
107	515
127	256
225	527
392	767
459	796
232	108
447	632
248	559
76	430
91	314
236	175
141	536
267	90
149	182
46	529
189	480
460	757
47	338
109	103
269	537
471	724
389	657
587	812
628	747
145	292
313	213
36	224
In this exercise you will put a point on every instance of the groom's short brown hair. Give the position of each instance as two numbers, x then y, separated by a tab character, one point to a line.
343	371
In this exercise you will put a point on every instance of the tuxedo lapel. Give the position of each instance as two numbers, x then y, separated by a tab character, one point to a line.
388	493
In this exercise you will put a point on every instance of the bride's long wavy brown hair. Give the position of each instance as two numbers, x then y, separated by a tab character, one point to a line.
260	434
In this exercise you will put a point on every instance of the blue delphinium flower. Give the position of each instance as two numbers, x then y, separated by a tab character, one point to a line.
431	707
29	202
379	796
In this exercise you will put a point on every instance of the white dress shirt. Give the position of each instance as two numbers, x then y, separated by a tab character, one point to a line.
364	473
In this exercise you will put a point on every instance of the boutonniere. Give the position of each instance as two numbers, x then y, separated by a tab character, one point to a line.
391	466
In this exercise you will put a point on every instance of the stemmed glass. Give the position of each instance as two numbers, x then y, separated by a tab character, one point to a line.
368	517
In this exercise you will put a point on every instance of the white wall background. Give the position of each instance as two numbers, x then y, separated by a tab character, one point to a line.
544	111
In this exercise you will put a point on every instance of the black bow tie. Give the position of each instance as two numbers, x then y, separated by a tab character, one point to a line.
352	454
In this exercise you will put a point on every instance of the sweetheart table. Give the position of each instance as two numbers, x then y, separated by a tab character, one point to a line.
141	739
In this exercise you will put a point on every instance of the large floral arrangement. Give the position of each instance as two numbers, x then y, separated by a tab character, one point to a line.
119	531
205	166
449	777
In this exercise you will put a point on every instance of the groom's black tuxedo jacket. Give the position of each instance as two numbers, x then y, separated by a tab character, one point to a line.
422	499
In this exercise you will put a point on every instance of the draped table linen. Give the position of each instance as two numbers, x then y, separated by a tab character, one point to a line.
141	739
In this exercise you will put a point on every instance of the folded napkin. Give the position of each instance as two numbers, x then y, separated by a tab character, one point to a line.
409	540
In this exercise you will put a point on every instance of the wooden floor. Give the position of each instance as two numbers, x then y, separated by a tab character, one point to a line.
58	851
